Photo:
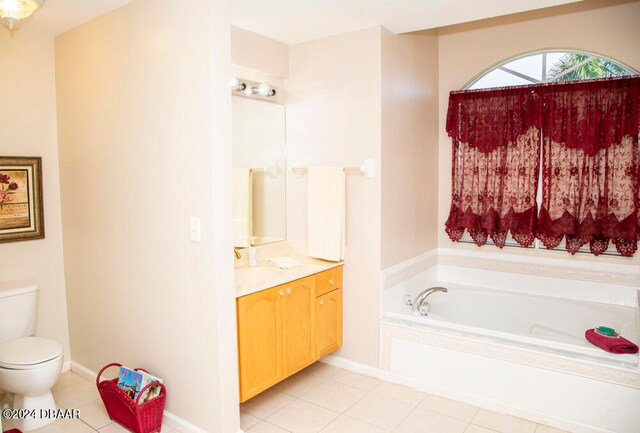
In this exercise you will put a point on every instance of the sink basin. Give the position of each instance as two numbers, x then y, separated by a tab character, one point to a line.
248	277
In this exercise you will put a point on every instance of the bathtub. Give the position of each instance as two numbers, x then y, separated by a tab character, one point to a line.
542	323
517	345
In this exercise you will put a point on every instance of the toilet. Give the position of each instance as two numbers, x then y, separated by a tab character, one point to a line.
29	366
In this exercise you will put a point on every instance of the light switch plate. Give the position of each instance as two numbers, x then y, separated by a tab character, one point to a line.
195	229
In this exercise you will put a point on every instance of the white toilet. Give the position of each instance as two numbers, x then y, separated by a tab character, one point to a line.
29	366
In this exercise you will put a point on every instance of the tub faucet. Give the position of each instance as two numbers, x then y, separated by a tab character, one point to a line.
236	254
416	305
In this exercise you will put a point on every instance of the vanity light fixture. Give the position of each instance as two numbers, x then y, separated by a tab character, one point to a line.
15	10
236	85
249	88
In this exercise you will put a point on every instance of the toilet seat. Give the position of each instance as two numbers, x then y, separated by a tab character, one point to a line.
29	353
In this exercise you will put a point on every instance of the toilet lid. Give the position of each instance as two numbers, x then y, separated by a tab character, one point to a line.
28	351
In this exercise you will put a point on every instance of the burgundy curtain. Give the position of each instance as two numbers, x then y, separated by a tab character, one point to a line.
496	142
591	169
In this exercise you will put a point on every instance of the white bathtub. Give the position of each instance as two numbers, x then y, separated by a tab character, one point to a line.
517	346
543	323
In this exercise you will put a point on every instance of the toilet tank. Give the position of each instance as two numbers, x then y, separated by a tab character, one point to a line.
18	303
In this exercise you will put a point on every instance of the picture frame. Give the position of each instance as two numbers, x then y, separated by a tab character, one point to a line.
21	202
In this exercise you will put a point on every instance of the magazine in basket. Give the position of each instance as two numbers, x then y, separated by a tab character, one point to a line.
132	382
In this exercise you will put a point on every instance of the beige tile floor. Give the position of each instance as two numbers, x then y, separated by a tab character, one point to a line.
75	392
326	399
321	398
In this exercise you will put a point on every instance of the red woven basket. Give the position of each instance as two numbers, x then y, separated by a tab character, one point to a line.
133	415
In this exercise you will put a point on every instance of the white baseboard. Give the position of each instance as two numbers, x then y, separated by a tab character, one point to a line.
170	419
474	400
66	366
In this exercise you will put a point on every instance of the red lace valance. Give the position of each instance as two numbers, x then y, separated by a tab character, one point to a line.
591	115
487	119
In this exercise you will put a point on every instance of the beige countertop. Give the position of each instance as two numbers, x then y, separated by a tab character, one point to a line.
264	276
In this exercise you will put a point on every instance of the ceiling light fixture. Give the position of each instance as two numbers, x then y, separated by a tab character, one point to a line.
15	10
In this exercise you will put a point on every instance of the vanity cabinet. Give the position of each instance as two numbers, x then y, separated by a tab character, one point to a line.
298	325
286	328
259	341
328	323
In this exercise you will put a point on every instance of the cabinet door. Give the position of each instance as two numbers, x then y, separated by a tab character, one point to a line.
298	325
259	341
328	323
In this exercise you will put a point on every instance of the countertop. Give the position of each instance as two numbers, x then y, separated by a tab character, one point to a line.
264	276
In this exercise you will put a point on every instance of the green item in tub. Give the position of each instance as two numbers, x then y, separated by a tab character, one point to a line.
606	331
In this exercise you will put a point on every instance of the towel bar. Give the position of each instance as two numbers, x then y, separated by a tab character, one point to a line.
367	169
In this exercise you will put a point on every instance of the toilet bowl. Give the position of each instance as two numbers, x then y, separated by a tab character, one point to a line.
29	367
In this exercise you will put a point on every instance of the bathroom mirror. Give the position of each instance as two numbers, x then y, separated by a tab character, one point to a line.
258	134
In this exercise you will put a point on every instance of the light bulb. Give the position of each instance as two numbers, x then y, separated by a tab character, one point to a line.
249	91
236	85
264	89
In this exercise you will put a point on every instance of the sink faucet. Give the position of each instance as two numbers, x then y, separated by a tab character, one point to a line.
416	305
236	253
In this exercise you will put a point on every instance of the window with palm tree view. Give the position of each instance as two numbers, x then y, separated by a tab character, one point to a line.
548	67
551	66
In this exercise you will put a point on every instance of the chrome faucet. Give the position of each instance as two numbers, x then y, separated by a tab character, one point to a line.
236	253
417	303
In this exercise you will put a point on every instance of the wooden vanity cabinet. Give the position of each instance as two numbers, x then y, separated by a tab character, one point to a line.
298	325
328	323
286	328
259	341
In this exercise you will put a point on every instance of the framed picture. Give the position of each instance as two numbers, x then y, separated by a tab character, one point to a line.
21	217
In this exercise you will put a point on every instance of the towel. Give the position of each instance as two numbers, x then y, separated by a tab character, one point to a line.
610	344
242	208
326	206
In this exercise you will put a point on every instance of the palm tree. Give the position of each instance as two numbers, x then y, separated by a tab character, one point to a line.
594	68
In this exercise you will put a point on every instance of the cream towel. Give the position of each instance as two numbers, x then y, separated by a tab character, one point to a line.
242	209
326	207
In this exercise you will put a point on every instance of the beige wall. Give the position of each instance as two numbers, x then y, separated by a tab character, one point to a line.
409	145
144	106
333	119
605	27
258	58
28	128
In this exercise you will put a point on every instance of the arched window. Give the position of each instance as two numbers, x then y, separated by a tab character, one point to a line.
549	66
546	67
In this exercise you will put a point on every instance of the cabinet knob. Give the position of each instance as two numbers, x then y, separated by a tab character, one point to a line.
281	292
321	301
288	289
332	281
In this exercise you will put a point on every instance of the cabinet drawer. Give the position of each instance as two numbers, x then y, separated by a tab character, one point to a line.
328	281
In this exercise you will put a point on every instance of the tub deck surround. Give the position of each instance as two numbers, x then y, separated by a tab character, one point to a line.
510	333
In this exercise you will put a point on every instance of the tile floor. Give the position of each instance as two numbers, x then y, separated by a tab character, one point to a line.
326	399
321	398
75	392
